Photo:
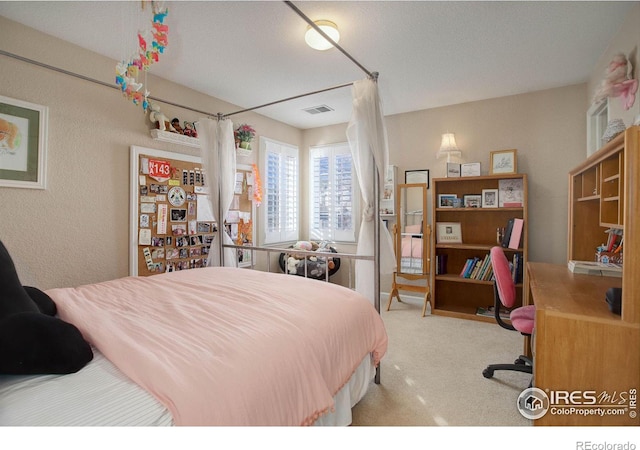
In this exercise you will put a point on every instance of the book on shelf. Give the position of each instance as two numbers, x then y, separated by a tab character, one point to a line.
476	268
441	264
469	266
465	267
506	237
490	312
516	233
595	268
486	262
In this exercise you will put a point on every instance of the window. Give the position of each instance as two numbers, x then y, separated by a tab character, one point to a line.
280	191
332	193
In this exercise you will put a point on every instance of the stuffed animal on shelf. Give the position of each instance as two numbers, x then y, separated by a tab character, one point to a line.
175	123
618	82
159	119
32	340
190	129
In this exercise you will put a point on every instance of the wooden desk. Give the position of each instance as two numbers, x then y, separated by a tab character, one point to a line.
579	345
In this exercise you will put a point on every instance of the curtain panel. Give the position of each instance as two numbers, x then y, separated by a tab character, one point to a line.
367	136
219	158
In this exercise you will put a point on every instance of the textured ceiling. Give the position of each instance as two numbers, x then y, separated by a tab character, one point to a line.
428	53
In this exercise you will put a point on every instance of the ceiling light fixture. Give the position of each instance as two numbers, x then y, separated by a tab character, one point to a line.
317	41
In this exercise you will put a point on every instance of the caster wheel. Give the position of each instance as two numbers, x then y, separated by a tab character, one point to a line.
487	373
520	361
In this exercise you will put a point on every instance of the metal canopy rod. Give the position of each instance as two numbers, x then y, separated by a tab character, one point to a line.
93	80
287	99
219	116
324	35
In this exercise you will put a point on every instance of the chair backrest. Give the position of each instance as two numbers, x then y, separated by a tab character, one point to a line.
504	280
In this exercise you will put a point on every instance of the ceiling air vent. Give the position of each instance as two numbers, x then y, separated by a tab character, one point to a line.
318	109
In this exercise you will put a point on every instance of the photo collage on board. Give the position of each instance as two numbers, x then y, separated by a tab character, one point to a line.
175	224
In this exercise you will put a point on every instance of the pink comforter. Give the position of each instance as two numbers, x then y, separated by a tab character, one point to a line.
225	346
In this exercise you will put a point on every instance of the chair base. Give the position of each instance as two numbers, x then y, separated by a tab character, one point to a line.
522	364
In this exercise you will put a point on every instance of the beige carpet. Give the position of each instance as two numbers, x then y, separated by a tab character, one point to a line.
432	373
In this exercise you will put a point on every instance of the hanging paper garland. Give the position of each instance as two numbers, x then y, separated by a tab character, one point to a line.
127	72
257	186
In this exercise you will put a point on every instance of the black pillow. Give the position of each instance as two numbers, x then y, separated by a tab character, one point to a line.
13	297
32	340
44	303
33	343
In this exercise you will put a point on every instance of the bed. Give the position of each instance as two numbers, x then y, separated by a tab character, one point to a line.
210	346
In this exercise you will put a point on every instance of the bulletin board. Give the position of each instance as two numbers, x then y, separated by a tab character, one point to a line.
172	227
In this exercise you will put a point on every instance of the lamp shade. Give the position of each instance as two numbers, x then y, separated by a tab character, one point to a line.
448	147
318	42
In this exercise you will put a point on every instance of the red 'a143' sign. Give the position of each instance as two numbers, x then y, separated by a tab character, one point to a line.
159	169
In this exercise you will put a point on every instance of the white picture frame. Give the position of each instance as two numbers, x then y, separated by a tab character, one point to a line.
453	170
23	144
470	169
489	198
446	200
448	233
473	201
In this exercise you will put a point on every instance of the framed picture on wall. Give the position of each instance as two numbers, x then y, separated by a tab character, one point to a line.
23	144
416	176
504	161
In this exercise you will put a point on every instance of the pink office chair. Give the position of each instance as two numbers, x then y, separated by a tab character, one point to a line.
522	319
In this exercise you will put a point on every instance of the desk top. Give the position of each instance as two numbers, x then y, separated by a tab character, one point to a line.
555	288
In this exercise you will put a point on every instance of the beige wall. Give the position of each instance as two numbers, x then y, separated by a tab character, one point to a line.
77	230
626	41
547	128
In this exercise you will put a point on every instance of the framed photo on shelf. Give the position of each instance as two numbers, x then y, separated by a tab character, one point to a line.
448	233
23	144
470	169
489	198
446	200
473	201
504	161
416	176
510	193
453	170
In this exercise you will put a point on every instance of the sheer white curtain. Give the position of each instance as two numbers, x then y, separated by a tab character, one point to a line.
367	137
219	158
